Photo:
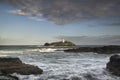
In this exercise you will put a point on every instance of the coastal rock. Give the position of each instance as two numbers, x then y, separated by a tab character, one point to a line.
80	49
60	43
15	65
107	49
114	65
99	50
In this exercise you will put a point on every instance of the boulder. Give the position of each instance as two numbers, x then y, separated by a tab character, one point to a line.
114	65
15	65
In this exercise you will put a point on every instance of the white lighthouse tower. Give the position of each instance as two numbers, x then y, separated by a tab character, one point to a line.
63	40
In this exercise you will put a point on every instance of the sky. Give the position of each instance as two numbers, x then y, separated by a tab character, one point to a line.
35	22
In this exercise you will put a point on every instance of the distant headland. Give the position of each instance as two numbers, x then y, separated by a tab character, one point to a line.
60	43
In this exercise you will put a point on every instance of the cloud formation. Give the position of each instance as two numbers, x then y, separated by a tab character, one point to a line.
37	19
19	12
22	13
112	24
66	11
93	40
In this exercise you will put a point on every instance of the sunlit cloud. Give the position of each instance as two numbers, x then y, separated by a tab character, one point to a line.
37	19
19	12
22	13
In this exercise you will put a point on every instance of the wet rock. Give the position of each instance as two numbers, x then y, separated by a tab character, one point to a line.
75	78
80	49
90	77
114	65
99	50
15	65
65	79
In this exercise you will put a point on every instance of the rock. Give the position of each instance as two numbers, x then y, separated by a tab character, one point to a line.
46	44
75	78
80	49
107	49
99	50
60	43
114	65
90	77
15	65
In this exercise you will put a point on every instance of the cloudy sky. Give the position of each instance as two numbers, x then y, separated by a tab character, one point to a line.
34	22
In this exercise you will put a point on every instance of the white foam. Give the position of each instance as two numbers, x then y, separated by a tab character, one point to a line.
3	55
26	77
8	51
42	50
47	50
58	66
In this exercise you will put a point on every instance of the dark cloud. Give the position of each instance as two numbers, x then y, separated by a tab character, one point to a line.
93	40
66	11
112	24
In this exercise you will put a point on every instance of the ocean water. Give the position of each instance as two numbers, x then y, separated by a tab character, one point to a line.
59	65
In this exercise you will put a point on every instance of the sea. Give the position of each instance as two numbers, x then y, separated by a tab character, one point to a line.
60	65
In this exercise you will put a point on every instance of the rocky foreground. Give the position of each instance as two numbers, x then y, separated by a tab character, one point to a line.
15	65
114	65
99	50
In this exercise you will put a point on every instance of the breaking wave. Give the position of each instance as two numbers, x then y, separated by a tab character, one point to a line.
68	66
23	51
58	65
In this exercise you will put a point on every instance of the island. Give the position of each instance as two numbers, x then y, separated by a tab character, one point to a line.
60	43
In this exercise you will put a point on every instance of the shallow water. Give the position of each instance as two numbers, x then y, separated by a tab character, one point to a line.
65	66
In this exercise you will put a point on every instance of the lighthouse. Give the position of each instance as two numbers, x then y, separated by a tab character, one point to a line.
63	40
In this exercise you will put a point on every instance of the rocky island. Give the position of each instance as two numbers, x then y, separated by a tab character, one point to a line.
60	43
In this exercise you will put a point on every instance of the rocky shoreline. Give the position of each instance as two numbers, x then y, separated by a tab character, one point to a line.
99	50
113	65
15	65
9	66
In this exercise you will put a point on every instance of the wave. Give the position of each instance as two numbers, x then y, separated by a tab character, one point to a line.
101	75
39	50
3	55
42	50
70	66
10	51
